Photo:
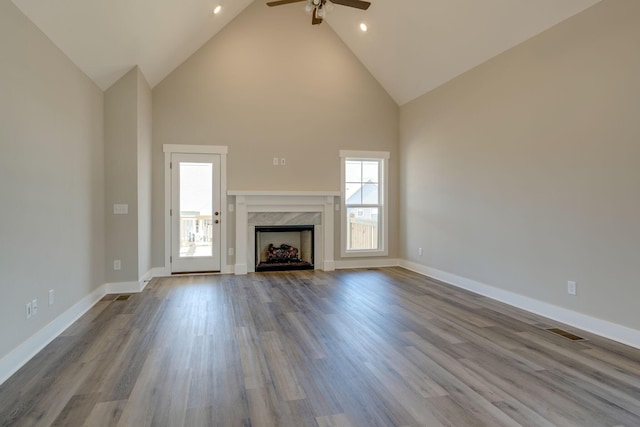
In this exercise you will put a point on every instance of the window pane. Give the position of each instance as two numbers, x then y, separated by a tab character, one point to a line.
353	194
353	171
362	228
196	205
370	194
370	172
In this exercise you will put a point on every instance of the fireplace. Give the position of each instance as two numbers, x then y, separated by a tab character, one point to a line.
284	247
269	208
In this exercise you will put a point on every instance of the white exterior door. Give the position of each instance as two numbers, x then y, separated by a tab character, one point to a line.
195	213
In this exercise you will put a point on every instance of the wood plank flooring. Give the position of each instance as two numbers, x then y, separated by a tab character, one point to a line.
382	347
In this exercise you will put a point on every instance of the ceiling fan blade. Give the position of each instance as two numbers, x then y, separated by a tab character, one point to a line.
280	2
314	18
358	4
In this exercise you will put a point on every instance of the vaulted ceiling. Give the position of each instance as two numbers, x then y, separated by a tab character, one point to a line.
411	47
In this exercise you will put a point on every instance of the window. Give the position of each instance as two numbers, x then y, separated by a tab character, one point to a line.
364	208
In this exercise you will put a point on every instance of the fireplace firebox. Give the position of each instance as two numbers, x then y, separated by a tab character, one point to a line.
284	247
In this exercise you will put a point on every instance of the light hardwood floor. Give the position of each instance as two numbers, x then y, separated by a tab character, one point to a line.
367	348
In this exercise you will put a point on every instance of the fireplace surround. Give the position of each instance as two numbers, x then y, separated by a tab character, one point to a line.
278	208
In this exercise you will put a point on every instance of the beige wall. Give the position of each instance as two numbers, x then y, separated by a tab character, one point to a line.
121	176
128	176
523	173
51	180
144	175
271	85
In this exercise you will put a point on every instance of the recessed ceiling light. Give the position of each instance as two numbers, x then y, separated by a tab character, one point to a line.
363	27
217	9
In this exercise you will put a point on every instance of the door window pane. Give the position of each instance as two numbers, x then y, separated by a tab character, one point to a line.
196	206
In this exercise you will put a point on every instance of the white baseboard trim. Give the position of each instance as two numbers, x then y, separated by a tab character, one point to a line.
367	263
19	356
604	328
240	269
160	272
329	265
125	287
146	277
166	272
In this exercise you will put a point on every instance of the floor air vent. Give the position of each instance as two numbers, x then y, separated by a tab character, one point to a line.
565	334
122	297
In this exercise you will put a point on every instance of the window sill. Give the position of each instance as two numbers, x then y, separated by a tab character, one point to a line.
363	254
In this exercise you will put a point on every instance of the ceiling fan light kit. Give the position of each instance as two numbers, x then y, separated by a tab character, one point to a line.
320	8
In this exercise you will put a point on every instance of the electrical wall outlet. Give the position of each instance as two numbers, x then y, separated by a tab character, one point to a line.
34	307
276	161
230	251
51	297
572	288
283	161
117	265
28	310
420	252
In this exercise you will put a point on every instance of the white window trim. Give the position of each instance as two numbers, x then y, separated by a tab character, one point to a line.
383	157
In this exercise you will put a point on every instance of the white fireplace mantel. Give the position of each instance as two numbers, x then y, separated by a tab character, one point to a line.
322	202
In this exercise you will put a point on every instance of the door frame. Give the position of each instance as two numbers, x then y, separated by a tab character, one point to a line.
195	263
221	150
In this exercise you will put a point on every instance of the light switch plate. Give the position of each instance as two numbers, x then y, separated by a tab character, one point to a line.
120	209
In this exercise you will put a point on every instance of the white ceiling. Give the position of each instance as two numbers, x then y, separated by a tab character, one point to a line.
412	46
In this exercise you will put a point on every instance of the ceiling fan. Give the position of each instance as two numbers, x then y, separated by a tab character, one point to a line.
319	7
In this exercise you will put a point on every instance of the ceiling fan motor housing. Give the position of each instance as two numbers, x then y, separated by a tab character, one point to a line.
320	7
